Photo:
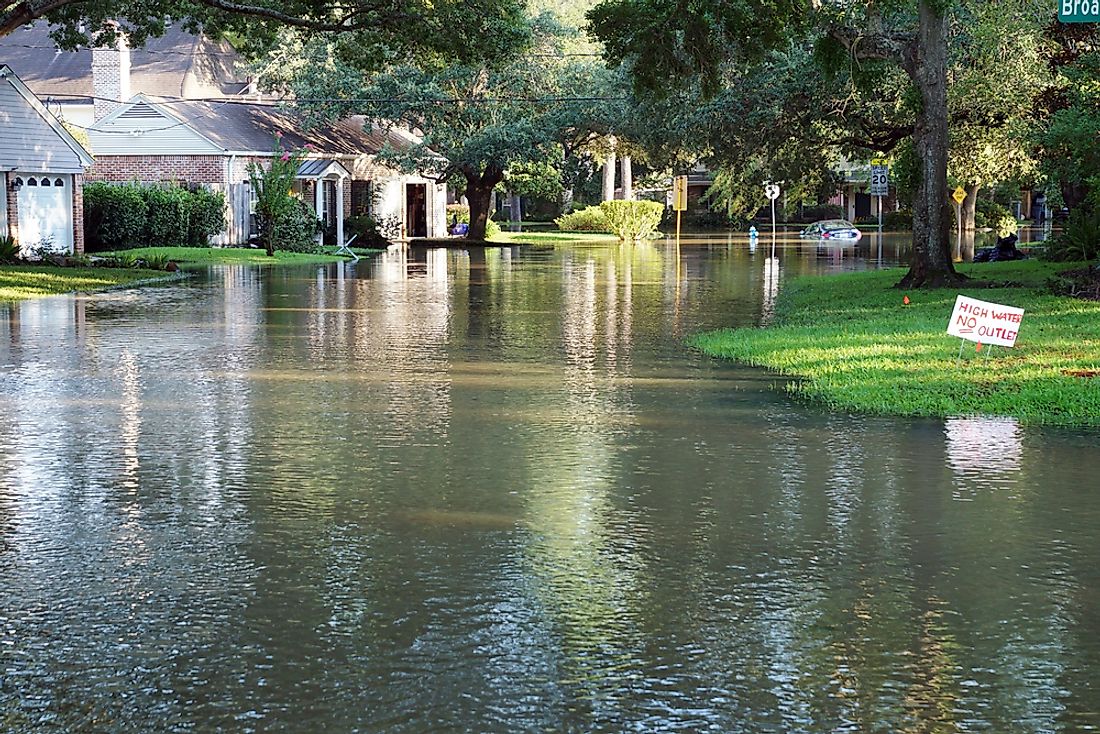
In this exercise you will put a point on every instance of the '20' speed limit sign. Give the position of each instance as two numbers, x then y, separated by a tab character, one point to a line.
772	191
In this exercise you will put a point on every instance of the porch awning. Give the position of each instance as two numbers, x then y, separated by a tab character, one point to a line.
322	168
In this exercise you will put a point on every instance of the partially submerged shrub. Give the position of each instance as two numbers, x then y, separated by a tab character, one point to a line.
128	215
633	220
295	228
1079	239
990	215
589	219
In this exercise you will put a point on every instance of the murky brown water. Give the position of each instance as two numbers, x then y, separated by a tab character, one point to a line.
436	492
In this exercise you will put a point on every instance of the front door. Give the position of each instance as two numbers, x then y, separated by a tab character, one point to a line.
416	210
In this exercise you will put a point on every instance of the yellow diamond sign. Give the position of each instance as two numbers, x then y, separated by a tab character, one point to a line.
959	194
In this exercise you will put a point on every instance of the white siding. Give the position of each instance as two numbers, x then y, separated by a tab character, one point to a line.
27	142
144	130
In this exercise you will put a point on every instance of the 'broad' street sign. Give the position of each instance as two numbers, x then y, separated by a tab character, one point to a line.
1079	11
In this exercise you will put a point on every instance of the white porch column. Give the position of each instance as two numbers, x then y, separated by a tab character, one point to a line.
318	203
340	212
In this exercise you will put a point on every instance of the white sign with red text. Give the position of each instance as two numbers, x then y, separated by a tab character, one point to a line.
984	322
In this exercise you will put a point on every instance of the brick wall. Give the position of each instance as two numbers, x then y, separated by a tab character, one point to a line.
207	169
13	206
78	214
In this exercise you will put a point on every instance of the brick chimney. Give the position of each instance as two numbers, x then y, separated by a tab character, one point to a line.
110	76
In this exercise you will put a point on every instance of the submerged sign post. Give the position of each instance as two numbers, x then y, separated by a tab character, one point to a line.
984	322
679	200
880	184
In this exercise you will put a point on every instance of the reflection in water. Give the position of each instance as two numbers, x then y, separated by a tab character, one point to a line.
491	491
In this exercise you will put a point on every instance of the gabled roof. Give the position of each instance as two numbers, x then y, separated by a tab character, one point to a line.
235	126
322	167
178	64
23	133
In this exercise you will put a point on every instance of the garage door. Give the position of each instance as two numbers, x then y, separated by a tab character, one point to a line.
45	212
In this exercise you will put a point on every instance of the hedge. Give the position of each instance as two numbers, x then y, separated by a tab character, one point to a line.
118	216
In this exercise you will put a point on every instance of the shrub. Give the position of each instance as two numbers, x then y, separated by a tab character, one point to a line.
821	211
367	231
461	213
590	219
295	228
1079	239
169	212
899	220
207	216
120	216
9	249
114	215
990	215
633	220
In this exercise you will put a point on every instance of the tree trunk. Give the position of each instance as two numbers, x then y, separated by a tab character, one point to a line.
479	192
609	175
515	208
930	265
970	207
627	173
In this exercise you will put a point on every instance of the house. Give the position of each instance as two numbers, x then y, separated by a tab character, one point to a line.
41	169
180	110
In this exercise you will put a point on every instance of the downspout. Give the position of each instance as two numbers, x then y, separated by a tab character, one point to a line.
230	232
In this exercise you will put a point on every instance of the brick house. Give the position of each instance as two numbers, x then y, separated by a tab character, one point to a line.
41	172
180	110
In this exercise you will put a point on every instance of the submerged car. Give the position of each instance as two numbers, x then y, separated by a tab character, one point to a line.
832	229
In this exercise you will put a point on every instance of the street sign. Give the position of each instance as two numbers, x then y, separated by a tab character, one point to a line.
880	179
959	195
771	191
1079	11
680	193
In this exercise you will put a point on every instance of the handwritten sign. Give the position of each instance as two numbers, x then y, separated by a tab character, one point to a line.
984	322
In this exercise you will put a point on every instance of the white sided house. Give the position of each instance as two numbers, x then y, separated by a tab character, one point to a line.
211	144
41	169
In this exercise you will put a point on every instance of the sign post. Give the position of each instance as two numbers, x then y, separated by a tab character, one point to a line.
880	185
772	192
679	200
959	195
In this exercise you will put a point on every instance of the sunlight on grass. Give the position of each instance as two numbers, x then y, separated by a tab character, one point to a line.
19	282
855	346
231	256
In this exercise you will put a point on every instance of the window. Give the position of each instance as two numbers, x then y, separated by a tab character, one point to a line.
59	182
45	182
31	181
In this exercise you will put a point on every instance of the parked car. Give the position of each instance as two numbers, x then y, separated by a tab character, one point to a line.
832	229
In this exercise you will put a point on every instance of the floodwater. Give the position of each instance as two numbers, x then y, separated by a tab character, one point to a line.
439	491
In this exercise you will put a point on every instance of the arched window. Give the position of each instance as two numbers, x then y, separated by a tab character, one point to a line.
59	182
45	182
18	182
31	181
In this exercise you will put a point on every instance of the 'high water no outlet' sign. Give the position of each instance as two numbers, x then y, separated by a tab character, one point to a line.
1079	11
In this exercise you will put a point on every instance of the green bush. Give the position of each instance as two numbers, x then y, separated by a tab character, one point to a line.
114	215
207	216
169	213
897	221
366	230
294	229
461	213
9	249
990	215
821	211
590	219
633	220
120	216
1079	239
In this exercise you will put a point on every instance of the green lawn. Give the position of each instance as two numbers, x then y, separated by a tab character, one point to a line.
19	282
200	256
535	238
854	345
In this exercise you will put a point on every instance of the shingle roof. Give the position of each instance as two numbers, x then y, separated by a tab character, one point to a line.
241	126
178	64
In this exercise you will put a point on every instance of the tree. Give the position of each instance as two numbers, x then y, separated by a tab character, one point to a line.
659	42
272	187
381	30
474	122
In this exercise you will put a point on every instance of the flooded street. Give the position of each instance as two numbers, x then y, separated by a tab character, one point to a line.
493	491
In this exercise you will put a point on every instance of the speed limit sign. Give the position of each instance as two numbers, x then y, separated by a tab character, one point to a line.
880	178
771	191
